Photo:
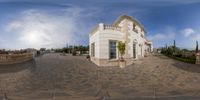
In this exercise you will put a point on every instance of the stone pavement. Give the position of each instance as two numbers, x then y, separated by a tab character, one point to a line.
57	77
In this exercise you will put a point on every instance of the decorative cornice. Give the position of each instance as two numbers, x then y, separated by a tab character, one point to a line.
129	18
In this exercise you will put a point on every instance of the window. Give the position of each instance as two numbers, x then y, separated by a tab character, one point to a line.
93	49
134	28
112	50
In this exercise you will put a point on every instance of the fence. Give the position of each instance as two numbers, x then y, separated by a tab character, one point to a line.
15	58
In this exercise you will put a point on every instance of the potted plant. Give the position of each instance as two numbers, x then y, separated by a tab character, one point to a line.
121	47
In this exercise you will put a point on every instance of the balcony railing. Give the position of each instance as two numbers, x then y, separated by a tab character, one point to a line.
111	27
105	27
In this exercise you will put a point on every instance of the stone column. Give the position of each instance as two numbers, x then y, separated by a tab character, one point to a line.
101	27
126	38
197	58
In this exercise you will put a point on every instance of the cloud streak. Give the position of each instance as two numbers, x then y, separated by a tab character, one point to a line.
168	34
161	36
37	28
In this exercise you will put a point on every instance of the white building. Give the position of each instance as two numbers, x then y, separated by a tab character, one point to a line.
104	38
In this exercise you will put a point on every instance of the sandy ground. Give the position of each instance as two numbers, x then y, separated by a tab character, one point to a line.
57	77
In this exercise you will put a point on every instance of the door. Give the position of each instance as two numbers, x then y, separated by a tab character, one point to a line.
134	50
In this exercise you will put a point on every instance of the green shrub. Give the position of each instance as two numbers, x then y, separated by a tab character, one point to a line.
121	47
187	60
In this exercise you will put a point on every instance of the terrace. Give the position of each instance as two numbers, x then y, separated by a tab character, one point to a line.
105	27
57	77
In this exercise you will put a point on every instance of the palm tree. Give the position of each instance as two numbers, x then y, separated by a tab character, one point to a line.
121	47
197	48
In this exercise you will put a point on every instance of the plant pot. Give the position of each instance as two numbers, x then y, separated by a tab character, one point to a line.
122	64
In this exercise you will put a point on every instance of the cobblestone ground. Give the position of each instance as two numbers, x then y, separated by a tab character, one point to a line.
57	77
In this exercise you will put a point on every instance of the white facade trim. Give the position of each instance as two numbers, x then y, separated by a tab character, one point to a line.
125	30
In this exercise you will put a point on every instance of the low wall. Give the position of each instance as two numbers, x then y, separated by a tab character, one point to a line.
15	58
107	62
198	59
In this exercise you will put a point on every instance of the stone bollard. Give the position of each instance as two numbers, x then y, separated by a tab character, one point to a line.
197	58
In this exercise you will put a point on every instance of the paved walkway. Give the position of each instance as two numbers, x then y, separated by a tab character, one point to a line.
57	77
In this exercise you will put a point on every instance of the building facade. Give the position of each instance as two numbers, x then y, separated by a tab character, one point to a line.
104	38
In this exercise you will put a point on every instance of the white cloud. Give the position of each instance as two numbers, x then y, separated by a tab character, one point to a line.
191	34
195	37
161	36
167	34
38	28
188	32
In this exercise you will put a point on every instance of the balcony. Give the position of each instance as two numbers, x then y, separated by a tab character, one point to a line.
105	27
111	27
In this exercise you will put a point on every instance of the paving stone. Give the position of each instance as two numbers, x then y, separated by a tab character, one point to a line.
81	78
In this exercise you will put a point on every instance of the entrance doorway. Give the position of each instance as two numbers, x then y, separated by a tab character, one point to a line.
135	49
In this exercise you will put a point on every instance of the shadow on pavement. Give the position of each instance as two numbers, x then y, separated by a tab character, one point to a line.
187	67
182	65
12	68
161	56
162	98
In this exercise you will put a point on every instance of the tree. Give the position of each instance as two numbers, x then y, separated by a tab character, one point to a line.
197	47
170	51
174	43
121	47
174	46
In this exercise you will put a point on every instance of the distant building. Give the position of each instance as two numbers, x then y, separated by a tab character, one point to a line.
104	38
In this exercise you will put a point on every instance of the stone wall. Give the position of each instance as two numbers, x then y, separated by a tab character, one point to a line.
15	58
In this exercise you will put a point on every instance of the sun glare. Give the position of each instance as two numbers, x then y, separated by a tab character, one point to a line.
32	37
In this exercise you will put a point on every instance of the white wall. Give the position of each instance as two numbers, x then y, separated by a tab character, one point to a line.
104	38
101	39
136	36
95	39
132	36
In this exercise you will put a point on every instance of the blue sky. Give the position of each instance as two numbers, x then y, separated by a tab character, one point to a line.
53	23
